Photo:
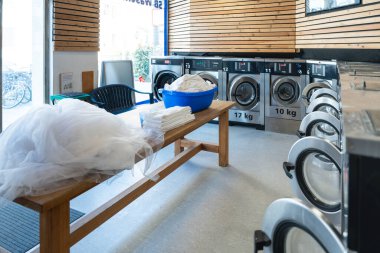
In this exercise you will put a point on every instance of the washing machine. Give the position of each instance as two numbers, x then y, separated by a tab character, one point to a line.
322	74
244	84
322	125
284	82
165	69
291	226
210	69
314	167
325	104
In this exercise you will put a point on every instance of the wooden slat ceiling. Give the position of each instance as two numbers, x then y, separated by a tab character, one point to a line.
76	25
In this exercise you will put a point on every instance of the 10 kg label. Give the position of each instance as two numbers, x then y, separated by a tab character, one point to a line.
286	113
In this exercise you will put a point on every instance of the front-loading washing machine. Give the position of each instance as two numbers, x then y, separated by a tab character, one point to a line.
322	74
209	68
284	82
314	167
165	69
291	226
244	84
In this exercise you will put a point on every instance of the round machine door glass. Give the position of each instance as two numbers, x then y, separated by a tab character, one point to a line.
325	131
329	109
162	79
321	178
211	79
245	92
297	240
286	91
314	165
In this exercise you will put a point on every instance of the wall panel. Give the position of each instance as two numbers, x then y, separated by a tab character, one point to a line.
355	28
232	26
76	25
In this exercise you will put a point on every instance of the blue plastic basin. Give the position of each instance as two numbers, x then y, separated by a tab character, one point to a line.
198	101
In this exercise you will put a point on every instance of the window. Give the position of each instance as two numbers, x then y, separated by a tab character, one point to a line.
132	29
23	57
324	5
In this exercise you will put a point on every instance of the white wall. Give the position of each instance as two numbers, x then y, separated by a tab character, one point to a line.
75	62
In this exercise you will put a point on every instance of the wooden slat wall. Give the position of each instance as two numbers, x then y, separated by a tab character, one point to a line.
232	26
355	28
76	25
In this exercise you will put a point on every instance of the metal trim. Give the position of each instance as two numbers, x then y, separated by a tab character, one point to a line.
309	87
316	103
207	76
324	92
319	117
295	211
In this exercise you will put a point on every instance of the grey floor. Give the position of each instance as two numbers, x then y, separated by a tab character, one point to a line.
201	207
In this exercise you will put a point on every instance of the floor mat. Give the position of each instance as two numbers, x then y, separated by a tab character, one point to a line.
19	227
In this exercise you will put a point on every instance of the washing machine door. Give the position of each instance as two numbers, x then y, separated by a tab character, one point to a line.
212	79
315	167
285	91
161	79
324	92
245	91
308	91
292	227
322	125
325	105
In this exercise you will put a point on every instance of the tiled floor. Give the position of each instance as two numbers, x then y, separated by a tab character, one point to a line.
201	207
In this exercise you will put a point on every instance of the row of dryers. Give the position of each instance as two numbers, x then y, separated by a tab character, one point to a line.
268	92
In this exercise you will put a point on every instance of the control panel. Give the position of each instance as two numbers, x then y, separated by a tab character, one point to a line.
243	67
203	64
285	68
166	61
320	70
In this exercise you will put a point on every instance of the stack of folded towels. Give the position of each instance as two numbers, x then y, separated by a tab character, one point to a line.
167	119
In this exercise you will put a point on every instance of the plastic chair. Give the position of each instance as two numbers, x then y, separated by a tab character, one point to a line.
116	98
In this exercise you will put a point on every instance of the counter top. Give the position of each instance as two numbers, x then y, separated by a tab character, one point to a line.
360	96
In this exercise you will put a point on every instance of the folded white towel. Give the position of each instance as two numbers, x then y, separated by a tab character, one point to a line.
169	125
167	119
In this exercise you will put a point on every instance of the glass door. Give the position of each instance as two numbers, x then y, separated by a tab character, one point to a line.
23	26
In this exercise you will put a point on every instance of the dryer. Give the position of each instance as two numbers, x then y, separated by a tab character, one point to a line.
285	80
209	68
165	69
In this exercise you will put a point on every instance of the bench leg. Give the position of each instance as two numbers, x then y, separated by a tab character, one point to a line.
223	139
177	146
55	229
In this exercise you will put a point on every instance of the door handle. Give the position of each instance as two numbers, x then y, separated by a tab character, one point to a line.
300	134
261	241
287	168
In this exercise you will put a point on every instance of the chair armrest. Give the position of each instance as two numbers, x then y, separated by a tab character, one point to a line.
99	104
151	100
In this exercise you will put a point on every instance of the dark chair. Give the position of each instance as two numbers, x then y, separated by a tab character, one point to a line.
116	98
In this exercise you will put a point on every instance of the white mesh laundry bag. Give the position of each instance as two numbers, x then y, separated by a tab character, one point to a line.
70	140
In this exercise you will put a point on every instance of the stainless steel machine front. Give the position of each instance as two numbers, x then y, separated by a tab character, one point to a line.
165	69
284	82
244	84
210	69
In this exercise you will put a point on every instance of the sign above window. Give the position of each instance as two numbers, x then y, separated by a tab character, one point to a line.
153	3
314	6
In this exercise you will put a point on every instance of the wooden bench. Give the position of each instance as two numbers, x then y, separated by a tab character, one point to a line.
57	236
